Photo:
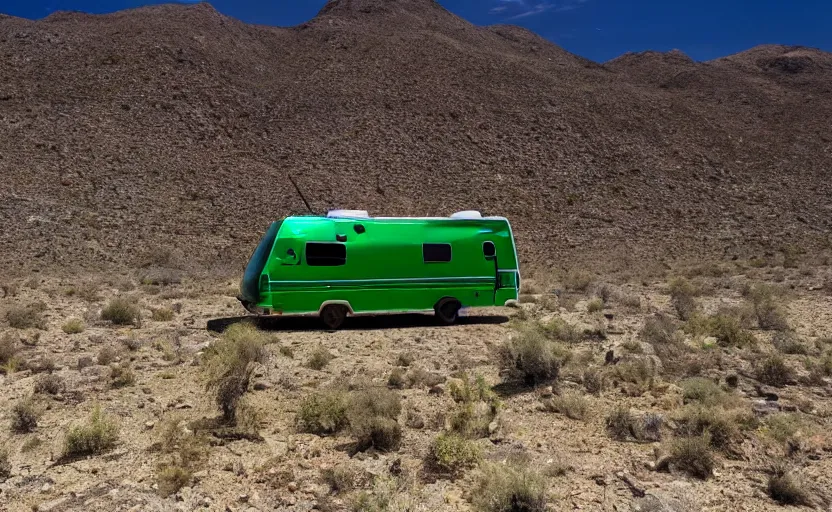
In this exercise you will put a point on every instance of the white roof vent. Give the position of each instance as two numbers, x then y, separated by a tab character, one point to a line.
467	214
352	214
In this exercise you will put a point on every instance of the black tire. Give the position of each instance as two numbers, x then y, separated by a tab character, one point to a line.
333	316
447	311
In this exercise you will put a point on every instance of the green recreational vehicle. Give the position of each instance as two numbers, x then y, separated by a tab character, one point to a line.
348	263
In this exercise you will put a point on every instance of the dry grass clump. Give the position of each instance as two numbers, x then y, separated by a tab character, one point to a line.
323	412
450	454
369	414
27	317
122	311
162	315
787	342
372	417
570	403
682	296
558	329
623	425
74	326
50	384
594	381
509	488
595	305
726	328
229	363
339	479
706	392
397	379
320	358
107	355
638	376
722	426
774	371
766	301
693	456
660	329
97	436
122	375
787	428
24	416
533	357
9	289
787	488
5	464
477	406
8	348
577	280
185	453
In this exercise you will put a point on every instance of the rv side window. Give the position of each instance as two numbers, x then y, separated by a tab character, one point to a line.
325	254
436	253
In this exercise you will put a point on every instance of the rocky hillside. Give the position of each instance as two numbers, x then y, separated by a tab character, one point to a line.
177	127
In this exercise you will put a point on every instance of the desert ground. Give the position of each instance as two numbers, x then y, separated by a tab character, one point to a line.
697	388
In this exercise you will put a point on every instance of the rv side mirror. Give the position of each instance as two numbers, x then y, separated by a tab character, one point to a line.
488	250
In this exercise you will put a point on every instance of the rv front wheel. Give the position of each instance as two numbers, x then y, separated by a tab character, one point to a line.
447	311
333	315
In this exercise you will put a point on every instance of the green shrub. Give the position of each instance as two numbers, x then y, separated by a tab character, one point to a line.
97	436
477	407
122	311
450	454
693	456
786	428
26	317
704	391
726	328
74	326
509	488
323	412
722	426
229	363
765	300
24	416
558	329
774	371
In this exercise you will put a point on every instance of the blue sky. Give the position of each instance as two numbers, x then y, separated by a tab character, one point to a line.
597	29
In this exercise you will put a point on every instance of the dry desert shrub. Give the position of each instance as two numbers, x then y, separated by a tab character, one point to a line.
477	406
323	412
508	488
450	454
162	315
572	404
24	416
319	358
107	355
184	453
74	326
229	363
122	375
5	464
693	455
372	417
774	371
787	488
122	311
50	384
623	425
98	435
533	357
767	304
683	297
27	317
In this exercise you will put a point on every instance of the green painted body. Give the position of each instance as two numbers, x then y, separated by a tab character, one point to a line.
384	270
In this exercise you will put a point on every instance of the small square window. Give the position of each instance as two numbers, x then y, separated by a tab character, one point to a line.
325	254
436	253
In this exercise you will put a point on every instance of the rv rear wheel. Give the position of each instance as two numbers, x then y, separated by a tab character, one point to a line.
447	311
333	315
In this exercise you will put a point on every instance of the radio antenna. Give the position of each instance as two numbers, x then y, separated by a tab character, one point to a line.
300	194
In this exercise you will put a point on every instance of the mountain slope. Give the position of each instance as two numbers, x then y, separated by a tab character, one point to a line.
176	126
